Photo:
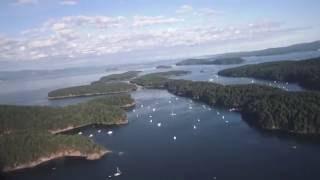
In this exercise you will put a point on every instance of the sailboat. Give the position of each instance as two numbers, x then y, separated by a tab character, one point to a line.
172	113
118	173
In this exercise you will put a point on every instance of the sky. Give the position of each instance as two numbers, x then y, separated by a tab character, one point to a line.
111	31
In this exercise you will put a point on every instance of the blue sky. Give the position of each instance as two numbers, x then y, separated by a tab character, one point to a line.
35	30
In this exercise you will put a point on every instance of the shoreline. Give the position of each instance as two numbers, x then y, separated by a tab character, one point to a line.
65	154
71	128
128	106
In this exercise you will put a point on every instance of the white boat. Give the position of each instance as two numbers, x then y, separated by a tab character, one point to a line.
190	107
80	133
159	124
91	135
150	116
110	132
222	117
198	120
210	80
174	138
99	131
134	110
154	109
118	173
173	114
194	127
150	121
232	109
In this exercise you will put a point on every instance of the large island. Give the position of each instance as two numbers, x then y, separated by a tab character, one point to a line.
265	107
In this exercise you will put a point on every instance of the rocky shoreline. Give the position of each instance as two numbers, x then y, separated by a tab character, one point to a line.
70	153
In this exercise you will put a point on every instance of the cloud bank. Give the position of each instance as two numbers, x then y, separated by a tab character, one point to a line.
81	36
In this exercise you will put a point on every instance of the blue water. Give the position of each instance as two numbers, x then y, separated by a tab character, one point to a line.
217	149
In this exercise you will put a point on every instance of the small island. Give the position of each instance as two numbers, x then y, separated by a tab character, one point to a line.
37	129
211	61
163	67
305	72
262	106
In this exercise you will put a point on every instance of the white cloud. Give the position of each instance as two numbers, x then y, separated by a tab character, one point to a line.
69	2
25	2
189	10
184	9
207	12
153	20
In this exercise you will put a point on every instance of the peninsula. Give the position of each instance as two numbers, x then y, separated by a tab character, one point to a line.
305	72
37	128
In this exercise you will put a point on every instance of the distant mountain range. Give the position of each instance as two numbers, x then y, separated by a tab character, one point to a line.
235	57
310	46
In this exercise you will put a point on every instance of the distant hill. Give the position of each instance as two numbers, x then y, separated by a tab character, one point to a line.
234	58
211	61
310	46
163	67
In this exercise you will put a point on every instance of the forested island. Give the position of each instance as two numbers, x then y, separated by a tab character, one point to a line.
305	72
126	76
157	80
211	61
92	90
36	128
262	106
110	84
